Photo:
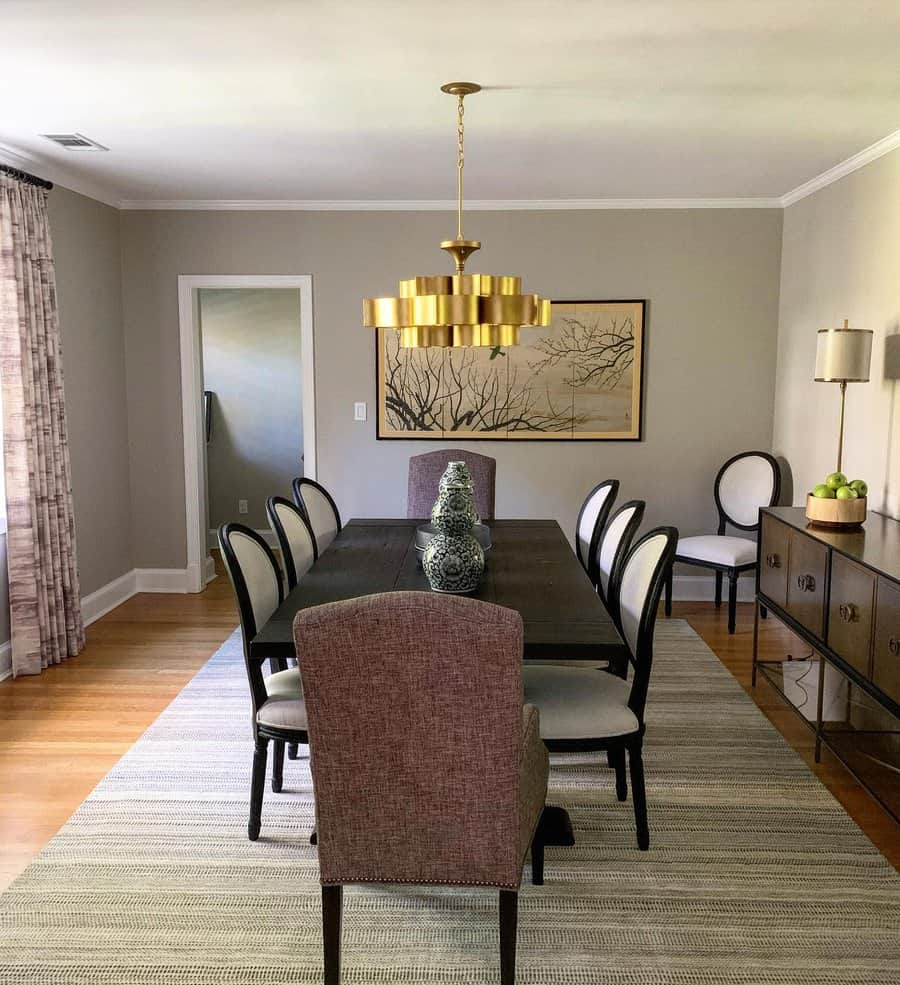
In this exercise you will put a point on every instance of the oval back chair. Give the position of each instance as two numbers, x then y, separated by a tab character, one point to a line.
591	520
278	709
319	509
612	550
296	540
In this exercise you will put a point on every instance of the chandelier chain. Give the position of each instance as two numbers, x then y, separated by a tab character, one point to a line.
460	164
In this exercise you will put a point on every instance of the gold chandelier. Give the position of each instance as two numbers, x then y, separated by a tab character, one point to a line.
462	309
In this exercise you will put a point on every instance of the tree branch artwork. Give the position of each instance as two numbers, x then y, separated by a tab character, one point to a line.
597	355
580	379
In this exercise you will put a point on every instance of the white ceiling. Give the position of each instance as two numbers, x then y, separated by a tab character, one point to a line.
586	99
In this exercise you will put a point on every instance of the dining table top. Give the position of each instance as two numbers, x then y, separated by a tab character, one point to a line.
530	567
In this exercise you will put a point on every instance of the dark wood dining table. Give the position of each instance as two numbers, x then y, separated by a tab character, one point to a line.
530	567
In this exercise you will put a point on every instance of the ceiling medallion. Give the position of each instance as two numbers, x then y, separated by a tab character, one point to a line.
462	309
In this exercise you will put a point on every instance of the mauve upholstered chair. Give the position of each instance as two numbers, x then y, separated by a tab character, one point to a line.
425	472
426	767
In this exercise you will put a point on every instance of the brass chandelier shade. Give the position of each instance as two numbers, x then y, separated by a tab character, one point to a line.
460	309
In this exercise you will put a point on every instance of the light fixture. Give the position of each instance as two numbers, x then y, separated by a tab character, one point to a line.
462	309
843	356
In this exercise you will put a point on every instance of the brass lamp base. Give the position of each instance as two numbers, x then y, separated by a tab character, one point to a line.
839	514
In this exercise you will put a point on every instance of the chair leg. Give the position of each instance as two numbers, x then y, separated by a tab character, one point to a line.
332	906
718	589
639	796
732	601
763	612
669	578
618	762
292	750
509	917
537	859
277	766
257	782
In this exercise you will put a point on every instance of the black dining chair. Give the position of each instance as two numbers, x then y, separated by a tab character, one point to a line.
278	708
294	536
591	520
612	550
319	508
583	710
745	483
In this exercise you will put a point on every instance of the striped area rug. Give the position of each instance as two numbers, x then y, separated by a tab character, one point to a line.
755	874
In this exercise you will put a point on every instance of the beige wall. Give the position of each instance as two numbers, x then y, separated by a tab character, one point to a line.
841	259
87	249
252	363
710	276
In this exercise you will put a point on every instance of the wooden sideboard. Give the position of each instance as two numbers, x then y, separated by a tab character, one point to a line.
839	592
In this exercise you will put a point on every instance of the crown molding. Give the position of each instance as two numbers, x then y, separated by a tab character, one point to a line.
443	205
860	160
50	171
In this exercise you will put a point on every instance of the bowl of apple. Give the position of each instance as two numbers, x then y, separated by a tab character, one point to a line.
837	502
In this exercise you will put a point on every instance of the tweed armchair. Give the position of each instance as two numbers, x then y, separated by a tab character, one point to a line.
426	768
425	472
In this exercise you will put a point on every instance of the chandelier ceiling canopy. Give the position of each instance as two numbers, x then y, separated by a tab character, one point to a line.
458	309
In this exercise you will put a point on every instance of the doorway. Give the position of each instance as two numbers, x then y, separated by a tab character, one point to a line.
248	399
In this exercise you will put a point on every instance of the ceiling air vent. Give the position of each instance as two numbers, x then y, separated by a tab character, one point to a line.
74	141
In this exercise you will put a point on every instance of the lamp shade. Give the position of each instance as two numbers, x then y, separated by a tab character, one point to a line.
843	355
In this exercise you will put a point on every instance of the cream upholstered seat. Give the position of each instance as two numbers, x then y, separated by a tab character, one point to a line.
745	483
284	683
579	702
282	711
590	710
730	551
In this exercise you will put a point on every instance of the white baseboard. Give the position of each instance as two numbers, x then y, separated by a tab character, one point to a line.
163	581
106	599
210	570
702	588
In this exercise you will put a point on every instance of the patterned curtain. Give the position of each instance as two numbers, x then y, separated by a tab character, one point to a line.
45	601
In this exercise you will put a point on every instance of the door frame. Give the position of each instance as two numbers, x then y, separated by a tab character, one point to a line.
198	573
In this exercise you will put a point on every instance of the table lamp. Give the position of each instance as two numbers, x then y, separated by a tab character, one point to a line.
843	356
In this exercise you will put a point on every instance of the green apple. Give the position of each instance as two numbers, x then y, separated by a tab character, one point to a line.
845	492
861	488
823	492
836	480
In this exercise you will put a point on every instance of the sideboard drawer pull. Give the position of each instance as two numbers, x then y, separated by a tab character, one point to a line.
849	612
773	560
894	646
806	583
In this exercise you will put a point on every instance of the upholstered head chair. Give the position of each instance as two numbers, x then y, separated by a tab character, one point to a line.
425	472
745	483
425	766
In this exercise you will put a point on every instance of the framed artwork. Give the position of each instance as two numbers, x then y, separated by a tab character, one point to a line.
579	380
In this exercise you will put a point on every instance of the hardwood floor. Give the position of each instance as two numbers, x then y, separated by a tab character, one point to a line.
61	732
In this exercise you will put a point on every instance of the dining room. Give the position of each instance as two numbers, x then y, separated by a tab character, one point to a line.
452	528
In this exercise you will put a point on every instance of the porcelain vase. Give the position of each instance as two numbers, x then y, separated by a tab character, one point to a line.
454	560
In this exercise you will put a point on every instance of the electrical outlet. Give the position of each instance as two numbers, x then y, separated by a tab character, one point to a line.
359	410
242	507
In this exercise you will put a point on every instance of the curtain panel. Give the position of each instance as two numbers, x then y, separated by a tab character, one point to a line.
45	599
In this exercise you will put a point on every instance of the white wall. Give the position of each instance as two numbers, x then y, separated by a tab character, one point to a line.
841	259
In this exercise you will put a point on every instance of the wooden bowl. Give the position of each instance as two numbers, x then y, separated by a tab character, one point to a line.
840	513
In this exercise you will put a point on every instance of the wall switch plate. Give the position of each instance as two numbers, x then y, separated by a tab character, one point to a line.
359	410
242	507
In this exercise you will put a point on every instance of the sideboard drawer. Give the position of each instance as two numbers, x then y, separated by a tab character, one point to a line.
886	654
773	567
850	612
807	568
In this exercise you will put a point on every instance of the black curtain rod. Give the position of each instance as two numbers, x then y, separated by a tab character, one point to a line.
29	179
